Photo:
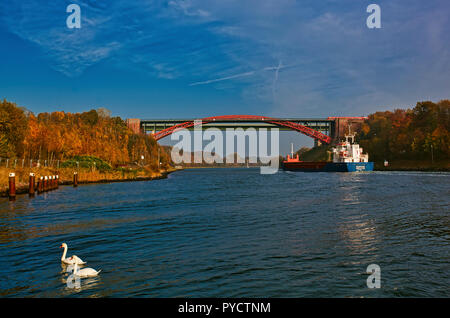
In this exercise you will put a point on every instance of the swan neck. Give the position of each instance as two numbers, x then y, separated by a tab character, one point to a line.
63	257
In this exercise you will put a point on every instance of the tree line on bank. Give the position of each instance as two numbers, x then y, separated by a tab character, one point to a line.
420	133
417	134
61	136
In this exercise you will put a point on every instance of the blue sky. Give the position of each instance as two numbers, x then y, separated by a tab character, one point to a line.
191	58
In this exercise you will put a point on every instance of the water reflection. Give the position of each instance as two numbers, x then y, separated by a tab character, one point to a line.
356	227
359	236
74	284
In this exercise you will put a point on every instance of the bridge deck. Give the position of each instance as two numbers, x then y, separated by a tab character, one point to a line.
320	124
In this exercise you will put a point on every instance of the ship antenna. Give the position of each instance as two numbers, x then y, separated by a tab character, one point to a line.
292	149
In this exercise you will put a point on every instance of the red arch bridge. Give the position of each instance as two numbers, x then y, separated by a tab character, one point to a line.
324	130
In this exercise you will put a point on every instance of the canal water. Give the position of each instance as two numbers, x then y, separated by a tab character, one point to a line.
234	233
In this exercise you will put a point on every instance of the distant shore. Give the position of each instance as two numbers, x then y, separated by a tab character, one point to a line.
84	177
396	165
414	165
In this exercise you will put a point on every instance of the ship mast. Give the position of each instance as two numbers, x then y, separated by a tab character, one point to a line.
350	135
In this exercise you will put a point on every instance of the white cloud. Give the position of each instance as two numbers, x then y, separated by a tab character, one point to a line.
186	7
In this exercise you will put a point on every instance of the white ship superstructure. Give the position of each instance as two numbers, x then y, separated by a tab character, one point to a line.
349	151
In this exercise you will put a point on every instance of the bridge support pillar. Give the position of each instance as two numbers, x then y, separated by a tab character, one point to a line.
134	124
341	125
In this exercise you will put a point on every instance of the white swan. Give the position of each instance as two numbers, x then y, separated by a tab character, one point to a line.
71	260
85	272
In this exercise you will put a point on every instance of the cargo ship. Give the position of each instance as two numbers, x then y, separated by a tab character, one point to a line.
348	156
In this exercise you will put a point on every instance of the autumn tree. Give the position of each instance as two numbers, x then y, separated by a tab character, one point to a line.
13	128
412	133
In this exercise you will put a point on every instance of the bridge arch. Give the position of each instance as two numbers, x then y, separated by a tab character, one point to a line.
245	118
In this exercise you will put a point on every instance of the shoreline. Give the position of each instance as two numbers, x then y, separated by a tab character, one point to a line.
377	167
414	165
23	189
414	169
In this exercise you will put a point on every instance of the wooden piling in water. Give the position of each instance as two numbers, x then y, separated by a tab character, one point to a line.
12	186
75	179
57	181
31	185
38	185
41	184
45	183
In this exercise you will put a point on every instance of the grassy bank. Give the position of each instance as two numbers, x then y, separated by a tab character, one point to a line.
84	176
413	165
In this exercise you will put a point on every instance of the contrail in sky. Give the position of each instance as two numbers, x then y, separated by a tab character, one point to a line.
275	79
223	78
277	69
270	68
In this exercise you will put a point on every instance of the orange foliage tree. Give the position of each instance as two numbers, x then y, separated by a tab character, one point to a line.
60	136
409	134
